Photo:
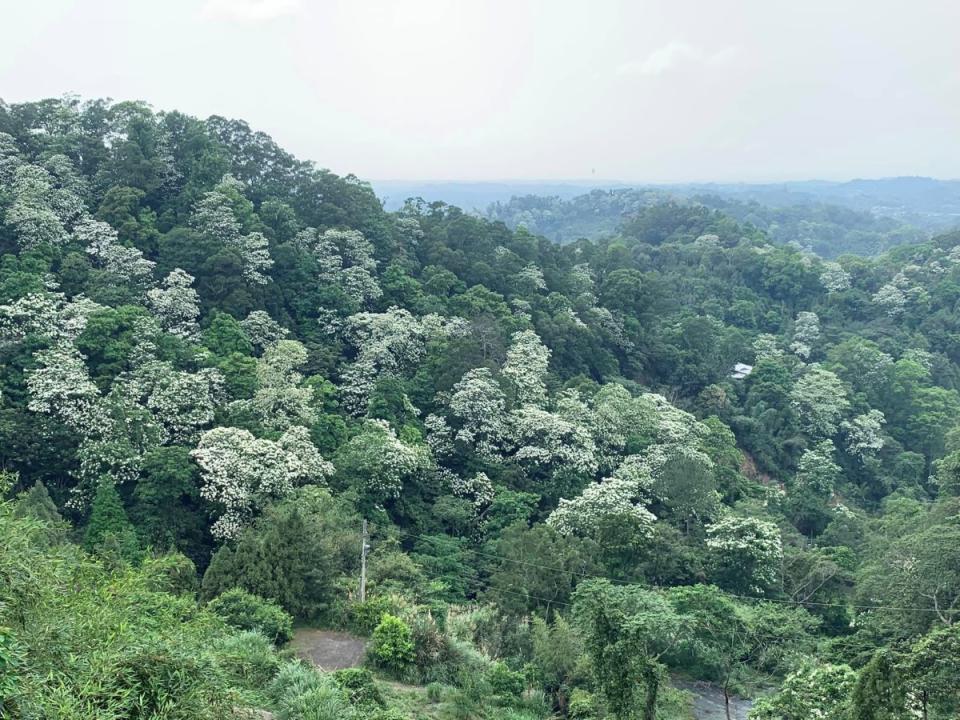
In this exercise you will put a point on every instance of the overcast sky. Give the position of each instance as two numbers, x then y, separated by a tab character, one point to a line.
632	90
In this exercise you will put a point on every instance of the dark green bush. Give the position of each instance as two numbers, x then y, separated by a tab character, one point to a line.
360	687
244	611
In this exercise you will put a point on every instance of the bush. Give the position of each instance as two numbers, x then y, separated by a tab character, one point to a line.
360	687
504	681
434	692
244	611
365	616
324	701
392	643
294	678
582	705
173	573
247	658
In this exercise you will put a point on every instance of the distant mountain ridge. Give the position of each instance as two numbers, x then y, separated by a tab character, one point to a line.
862	216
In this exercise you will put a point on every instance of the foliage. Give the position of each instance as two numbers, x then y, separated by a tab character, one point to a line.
244	611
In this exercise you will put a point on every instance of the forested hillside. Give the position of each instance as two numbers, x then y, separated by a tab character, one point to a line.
218	360
828	230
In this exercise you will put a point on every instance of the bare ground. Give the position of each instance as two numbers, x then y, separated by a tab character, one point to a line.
328	649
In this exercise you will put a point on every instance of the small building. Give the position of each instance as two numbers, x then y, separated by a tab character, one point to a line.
740	371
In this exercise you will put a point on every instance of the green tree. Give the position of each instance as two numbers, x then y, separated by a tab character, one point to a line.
627	630
108	526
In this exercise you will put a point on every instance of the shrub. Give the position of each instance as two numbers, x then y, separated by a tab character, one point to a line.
248	658
365	616
582	705
434	692
360	687
294	678
324	701
392	643
504	681
173	573
244	611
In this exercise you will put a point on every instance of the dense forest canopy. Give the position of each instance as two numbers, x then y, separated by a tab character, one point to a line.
829	230
218	359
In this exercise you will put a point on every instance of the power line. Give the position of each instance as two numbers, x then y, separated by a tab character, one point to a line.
617	581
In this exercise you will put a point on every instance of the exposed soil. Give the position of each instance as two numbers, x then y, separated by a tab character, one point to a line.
328	649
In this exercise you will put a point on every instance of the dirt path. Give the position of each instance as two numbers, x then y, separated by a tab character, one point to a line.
328	649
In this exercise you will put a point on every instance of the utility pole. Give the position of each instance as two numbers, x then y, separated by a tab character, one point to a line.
364	549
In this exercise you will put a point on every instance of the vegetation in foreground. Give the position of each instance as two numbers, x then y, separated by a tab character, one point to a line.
217	360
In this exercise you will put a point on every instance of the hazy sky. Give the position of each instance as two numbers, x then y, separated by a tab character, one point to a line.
641	90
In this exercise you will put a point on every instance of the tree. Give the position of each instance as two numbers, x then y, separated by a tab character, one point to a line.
525	368
377	463
932	670
108	526
281	400
241	472
539	569
819	691
879	693
293	554
176	304
727	640
806	331
820	400
745	553
627	630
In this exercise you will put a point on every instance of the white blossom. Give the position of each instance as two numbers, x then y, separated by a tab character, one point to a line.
863	437
241	472
123	264
806	331
262	330
176	305
748	547
60	386
526	368
820	400
281	400
834	278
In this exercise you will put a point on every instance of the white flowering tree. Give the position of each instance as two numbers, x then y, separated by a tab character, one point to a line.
215	216
60	386
820	400
863	434
377	463
549	444
125	265
388	344
834	278
622	497
526	368
767	347
344	258
745	554
241	472
281	400
479	408
806	331
262	330
176	304
35	213
817	471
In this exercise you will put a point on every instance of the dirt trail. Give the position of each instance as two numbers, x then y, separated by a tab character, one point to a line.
328	649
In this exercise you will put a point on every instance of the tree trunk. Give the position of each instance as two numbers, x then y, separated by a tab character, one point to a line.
652	682
726	700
